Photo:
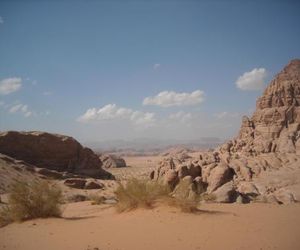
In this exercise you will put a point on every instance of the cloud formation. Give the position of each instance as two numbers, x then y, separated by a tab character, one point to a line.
171	98
10	85
113	112
252	80
22	109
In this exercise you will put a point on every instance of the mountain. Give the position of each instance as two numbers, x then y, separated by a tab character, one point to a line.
262	162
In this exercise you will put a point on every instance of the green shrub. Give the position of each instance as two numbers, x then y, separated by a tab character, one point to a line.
32	200
139	193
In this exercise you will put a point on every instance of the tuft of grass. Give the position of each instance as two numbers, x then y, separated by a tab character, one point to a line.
208	197
31	200
139	193
5	218
185	198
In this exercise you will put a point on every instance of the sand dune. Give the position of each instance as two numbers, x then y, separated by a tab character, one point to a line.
217	226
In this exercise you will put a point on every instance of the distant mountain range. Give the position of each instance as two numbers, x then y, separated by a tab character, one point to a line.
148	145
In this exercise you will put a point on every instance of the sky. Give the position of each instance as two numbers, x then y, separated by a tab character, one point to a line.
105	70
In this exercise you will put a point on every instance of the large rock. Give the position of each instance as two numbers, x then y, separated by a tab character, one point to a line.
267	142
226	193
52	151
219	176
274	126
112	161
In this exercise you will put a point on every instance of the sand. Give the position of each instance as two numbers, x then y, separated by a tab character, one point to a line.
218	226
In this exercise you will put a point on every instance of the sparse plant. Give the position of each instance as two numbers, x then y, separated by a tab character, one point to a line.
31	200
185	197
208	197
5	217
139	193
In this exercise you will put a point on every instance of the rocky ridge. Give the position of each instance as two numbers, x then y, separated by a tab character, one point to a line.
268	145
51	153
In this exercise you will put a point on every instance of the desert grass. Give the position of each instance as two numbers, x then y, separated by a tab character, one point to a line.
185	198
31	200
208	197
139	193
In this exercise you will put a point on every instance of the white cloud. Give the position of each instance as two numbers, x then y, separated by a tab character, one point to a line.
226	114
253	80
1	20
113	112
171	98
156	66
10	85
21	109
181	117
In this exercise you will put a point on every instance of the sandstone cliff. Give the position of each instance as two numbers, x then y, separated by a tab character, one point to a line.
52	151
262	162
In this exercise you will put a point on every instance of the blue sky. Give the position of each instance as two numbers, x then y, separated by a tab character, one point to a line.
84	68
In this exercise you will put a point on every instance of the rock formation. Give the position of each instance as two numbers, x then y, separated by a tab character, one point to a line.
112	161
267	146
52	151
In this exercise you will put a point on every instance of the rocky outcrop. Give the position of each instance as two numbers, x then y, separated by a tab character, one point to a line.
52	151
112	161
267	142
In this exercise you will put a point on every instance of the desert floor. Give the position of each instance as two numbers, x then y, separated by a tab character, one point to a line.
216	226
138	166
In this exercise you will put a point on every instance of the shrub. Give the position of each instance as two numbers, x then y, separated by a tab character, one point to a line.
32	200
4	216
208	197
139	193
185	197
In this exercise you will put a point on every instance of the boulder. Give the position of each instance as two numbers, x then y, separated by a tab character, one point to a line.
171	178
52	151
112	161
91	184
226	193
219	176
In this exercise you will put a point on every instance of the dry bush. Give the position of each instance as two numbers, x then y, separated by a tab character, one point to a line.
185	198
5	218
208	197
32	200
139	193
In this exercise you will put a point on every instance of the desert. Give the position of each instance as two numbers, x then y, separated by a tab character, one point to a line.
152	125
241	184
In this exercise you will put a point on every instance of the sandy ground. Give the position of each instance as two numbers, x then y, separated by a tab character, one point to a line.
218	226
138	167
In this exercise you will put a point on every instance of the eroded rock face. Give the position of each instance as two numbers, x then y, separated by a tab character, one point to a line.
52	151
275	125
267	142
